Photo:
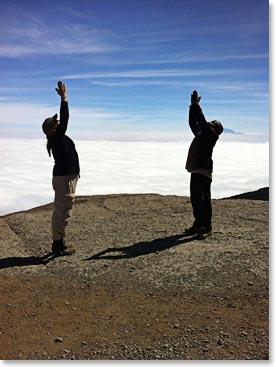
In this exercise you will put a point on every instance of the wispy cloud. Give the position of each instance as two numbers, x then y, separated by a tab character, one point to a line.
143	80
16	113
33	36
73	12
15	50
151	73
137	83
233	86
136	62
6	99
65	46
25	119
147	58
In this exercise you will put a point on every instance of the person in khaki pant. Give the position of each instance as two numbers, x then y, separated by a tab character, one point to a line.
65	173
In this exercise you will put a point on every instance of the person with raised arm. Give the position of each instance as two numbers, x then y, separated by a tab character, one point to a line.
200	165
66	172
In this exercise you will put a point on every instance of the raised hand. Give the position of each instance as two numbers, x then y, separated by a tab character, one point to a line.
61	89
195	99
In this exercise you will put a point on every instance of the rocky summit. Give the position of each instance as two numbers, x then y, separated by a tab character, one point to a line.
137	288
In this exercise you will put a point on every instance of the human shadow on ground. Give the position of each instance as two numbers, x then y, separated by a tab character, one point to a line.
142	248
11	262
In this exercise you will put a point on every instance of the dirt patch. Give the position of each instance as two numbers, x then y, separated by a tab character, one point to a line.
137	288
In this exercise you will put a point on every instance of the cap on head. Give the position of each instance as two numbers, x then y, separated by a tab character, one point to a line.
49	123
217	125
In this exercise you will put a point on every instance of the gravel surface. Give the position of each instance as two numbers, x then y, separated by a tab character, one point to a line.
137	287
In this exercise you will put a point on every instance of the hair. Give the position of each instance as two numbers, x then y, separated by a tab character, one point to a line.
49	145
47	128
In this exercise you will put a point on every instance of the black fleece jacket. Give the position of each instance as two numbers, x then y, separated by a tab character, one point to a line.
63	148
201	149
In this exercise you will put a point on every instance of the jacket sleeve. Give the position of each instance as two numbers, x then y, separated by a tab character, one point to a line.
64	117
197	119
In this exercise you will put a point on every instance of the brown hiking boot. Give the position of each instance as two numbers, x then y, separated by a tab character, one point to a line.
60	248
70	250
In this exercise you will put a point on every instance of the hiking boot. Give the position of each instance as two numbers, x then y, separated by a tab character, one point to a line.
193	230
70	250
60	248
59	245
204	231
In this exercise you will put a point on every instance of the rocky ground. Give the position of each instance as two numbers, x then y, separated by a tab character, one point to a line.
137	288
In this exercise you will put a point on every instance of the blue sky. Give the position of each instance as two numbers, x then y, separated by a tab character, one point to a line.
130	66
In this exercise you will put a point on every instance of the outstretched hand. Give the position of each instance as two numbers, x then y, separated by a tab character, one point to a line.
195	99
61	89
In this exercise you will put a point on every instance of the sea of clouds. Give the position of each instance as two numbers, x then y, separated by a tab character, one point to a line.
109	167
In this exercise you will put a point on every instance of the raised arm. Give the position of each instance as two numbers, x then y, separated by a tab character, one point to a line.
197	119
64	110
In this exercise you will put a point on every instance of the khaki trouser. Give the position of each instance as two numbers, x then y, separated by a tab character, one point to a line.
65	188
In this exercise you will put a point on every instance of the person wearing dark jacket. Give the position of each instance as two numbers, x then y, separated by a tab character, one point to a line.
200	165
65	172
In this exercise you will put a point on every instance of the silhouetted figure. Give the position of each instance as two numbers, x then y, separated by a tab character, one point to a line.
200	165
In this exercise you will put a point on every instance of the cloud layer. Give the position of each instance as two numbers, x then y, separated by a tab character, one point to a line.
109	167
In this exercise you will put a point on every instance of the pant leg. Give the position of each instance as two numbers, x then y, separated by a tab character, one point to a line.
65	188
195	197
207	204
200	191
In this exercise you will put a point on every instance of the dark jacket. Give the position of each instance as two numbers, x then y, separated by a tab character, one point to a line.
201	148
63	148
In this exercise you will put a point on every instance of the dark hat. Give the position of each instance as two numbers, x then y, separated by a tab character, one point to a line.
217	125
49	123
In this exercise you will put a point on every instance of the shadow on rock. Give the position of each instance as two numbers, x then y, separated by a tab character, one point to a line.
142	248
11	262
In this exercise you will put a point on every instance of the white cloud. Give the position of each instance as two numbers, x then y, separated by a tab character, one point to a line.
28	113
85	120
31	36
140	79
151	73
126	167
176	58
111	124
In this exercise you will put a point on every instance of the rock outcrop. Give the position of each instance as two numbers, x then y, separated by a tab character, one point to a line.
261	194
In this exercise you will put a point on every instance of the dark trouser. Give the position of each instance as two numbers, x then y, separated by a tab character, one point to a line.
200	188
